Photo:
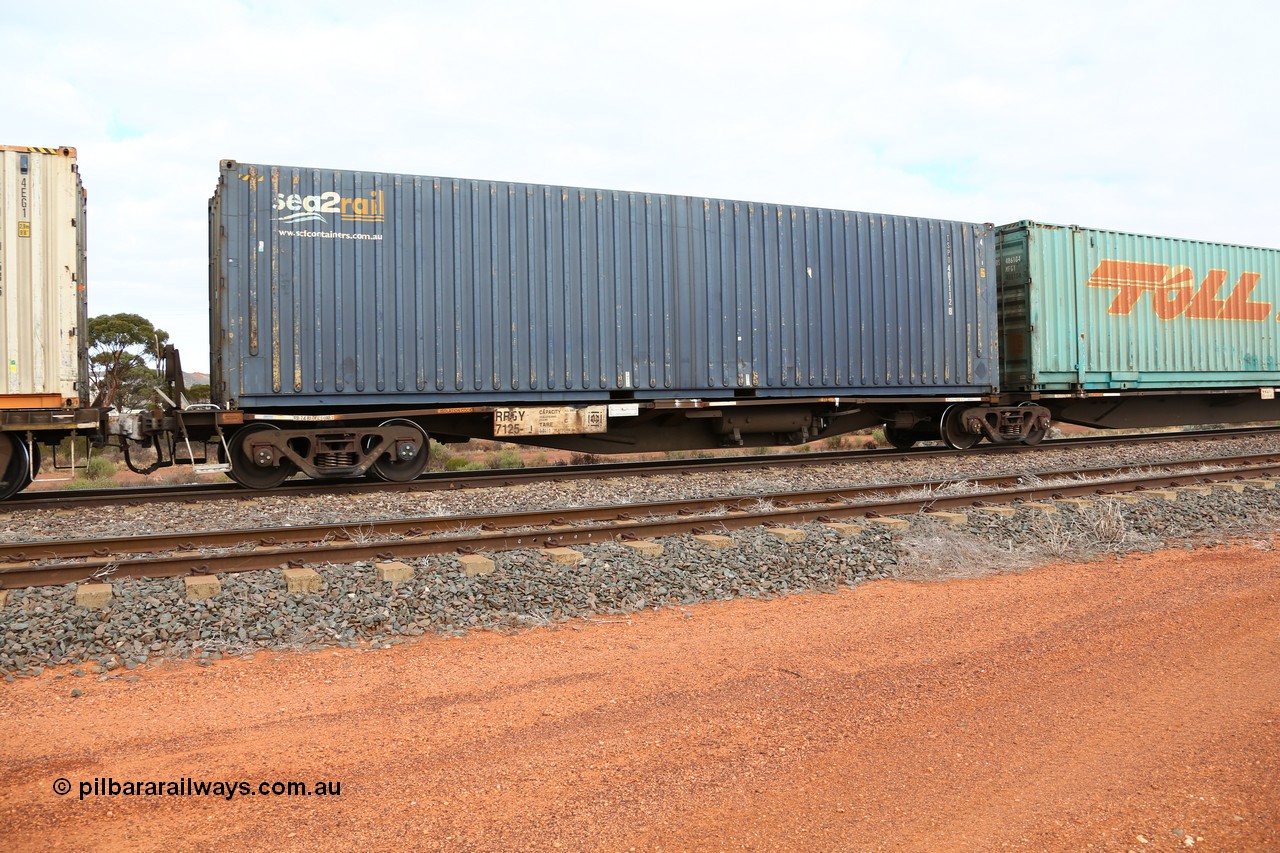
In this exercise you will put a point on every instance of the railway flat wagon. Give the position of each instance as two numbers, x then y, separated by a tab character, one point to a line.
589	319
44	386
1113	329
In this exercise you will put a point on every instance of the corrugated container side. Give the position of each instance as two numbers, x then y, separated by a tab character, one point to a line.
1105	310
42	278
354	288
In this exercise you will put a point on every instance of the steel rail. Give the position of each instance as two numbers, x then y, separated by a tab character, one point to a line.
503	531
491	478
101	547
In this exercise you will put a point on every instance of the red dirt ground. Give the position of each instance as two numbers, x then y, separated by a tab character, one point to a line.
1126	705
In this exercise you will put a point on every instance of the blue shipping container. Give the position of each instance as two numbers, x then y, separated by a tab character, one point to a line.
339	288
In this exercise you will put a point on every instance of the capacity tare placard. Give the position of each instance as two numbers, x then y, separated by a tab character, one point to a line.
549	420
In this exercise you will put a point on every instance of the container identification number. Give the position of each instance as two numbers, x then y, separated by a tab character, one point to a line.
549	420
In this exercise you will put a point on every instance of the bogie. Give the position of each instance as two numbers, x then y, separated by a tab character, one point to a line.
263	456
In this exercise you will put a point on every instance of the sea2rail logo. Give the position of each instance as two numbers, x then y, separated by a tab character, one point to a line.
311	208
1175	293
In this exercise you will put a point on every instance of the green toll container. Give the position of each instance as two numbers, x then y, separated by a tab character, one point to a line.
1084	310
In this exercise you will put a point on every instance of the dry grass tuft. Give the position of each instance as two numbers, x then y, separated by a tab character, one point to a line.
933	550
936	551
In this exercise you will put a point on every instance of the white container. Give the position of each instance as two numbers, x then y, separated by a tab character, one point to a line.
42	279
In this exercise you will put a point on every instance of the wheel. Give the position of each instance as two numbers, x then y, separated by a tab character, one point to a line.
392	466
16	474
248	473
1034	436
903	439
953	432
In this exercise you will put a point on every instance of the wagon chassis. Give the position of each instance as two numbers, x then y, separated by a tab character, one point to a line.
22	432
261	449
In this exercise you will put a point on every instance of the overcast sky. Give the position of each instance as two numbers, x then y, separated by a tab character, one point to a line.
1155	117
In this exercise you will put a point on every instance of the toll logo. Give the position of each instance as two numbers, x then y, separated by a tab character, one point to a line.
1175	291
312	208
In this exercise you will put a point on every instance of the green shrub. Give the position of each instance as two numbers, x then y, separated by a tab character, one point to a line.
99	468
438	456
508	458
458	463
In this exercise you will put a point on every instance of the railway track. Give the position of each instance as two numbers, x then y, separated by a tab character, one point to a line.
55	562
452	480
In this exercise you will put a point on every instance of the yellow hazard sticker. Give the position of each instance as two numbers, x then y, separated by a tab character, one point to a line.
24	229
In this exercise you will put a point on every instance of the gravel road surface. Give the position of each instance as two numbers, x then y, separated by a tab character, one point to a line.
1128	704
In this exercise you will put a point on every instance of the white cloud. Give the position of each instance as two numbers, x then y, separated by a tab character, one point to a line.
1144	116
